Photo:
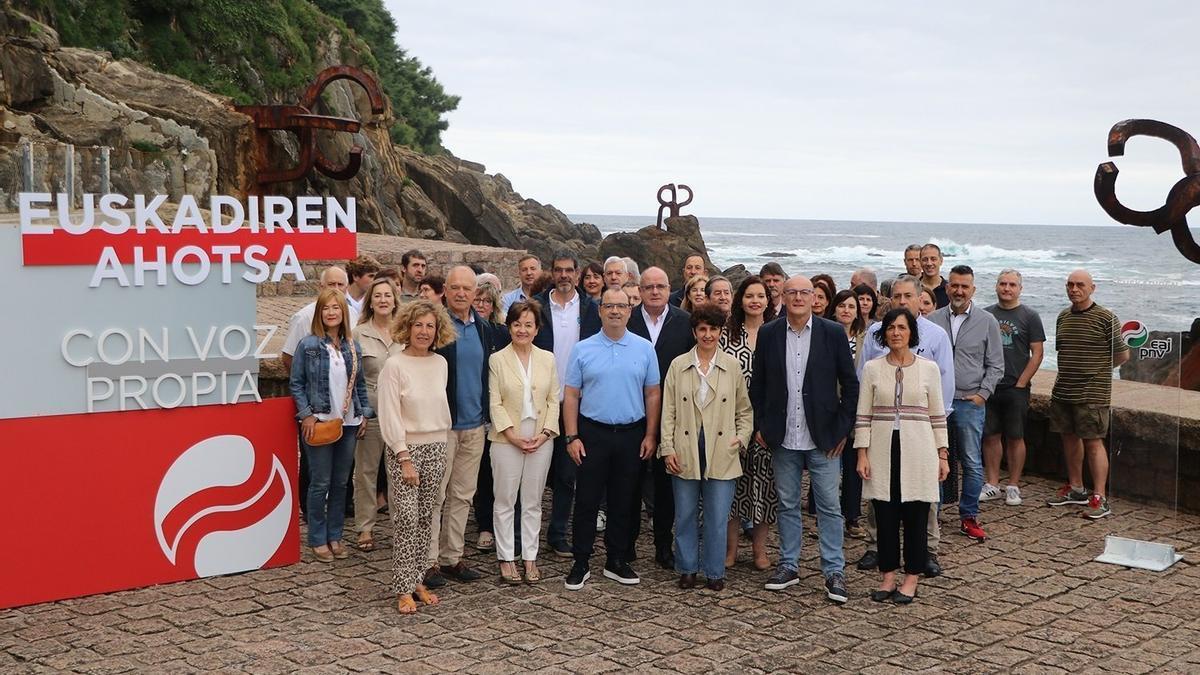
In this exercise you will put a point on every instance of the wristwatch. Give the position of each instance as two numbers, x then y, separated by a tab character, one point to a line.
569	438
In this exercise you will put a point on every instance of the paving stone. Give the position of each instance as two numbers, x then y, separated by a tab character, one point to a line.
1029	600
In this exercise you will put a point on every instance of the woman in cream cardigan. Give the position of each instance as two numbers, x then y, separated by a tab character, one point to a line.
706	424
523	397
900	434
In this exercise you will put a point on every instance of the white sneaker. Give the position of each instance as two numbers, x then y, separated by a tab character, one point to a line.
1012	495
989	492
601	521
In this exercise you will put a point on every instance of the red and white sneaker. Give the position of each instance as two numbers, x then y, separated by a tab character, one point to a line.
970	527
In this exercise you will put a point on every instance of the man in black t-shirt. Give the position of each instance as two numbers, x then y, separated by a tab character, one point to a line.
1022	337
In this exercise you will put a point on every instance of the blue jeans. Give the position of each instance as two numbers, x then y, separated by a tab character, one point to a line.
328	470
825	475
718	500
967	420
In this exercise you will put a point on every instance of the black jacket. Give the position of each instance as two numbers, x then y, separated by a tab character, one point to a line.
589	321
493	339
674	339
829	365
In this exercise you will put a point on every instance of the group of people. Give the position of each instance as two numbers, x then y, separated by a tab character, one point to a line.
431	395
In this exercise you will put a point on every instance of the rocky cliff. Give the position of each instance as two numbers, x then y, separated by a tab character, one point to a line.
96	120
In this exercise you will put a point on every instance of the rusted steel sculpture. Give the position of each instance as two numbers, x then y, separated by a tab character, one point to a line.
1183	197
673	204
299	120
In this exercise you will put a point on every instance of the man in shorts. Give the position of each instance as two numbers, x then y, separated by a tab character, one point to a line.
1088	339
1022	337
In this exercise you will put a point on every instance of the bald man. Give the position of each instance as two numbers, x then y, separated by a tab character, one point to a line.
300	324
805	391
1088	339
668	329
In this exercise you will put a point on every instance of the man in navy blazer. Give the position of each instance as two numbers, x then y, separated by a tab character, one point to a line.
668	329
568	316
804	391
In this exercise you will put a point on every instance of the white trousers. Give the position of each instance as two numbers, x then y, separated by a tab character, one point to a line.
516	472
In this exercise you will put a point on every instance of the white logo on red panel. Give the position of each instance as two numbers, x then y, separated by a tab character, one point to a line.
206	498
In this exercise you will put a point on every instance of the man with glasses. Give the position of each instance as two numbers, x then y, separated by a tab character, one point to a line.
567	318
669	330
611	409
804	391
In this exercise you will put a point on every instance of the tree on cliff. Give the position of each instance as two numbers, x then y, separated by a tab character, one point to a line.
259	51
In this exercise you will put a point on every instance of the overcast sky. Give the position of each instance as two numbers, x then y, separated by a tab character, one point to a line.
934	111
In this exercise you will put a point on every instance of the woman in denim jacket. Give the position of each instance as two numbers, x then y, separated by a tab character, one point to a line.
321	372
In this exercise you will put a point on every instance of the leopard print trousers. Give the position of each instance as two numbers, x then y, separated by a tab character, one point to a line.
412	513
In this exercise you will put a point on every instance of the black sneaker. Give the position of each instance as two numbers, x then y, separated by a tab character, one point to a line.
460	572
781	579
835	588
578	577
932	567
621	572
434	578
869	561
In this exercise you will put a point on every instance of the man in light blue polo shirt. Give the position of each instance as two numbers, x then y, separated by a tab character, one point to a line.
610	424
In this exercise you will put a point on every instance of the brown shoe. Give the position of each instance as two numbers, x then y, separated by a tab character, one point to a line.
715	585
460	572
687	581
324	556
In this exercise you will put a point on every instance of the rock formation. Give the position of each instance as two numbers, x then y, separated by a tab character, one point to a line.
130	129
666	248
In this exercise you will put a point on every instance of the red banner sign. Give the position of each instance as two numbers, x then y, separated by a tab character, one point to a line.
109	501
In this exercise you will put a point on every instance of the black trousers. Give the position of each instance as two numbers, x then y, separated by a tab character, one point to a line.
610	468
664	506
891	515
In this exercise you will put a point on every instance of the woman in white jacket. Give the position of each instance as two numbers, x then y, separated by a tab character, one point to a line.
900	435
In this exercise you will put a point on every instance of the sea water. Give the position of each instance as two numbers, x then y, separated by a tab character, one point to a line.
1139	275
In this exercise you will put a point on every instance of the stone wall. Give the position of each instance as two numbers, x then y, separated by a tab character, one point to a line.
442	255
1154	443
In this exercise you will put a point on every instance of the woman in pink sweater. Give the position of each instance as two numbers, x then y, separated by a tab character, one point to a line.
414	417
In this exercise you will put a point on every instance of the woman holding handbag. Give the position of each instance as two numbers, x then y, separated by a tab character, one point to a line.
330	392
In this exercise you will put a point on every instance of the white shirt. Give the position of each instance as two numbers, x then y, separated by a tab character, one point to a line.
705	390
956	322
356	306
652	326
300	326
338	380
796	435
566	334
527	411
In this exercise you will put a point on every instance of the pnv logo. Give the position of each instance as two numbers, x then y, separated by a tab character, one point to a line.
1134	333
219	511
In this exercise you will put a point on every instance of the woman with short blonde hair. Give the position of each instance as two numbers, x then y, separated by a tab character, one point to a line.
414	417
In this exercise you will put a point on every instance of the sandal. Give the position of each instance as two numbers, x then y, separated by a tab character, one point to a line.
532	573
406	605
340	552
365	544
510	579
423	596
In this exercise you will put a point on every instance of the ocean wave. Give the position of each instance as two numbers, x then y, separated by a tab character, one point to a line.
984	253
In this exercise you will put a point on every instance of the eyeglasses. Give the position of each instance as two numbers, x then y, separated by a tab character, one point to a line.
793	292
655	287
615	305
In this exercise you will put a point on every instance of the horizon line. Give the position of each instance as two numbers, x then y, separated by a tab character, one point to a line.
851	220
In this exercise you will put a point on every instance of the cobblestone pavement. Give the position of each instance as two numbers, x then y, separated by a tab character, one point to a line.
1028	600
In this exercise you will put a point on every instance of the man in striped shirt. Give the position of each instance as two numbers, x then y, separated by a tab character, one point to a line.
1088	339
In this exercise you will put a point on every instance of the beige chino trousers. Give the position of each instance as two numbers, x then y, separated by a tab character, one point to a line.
464	450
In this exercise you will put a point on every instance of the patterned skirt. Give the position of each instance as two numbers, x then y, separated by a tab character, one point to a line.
755	499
